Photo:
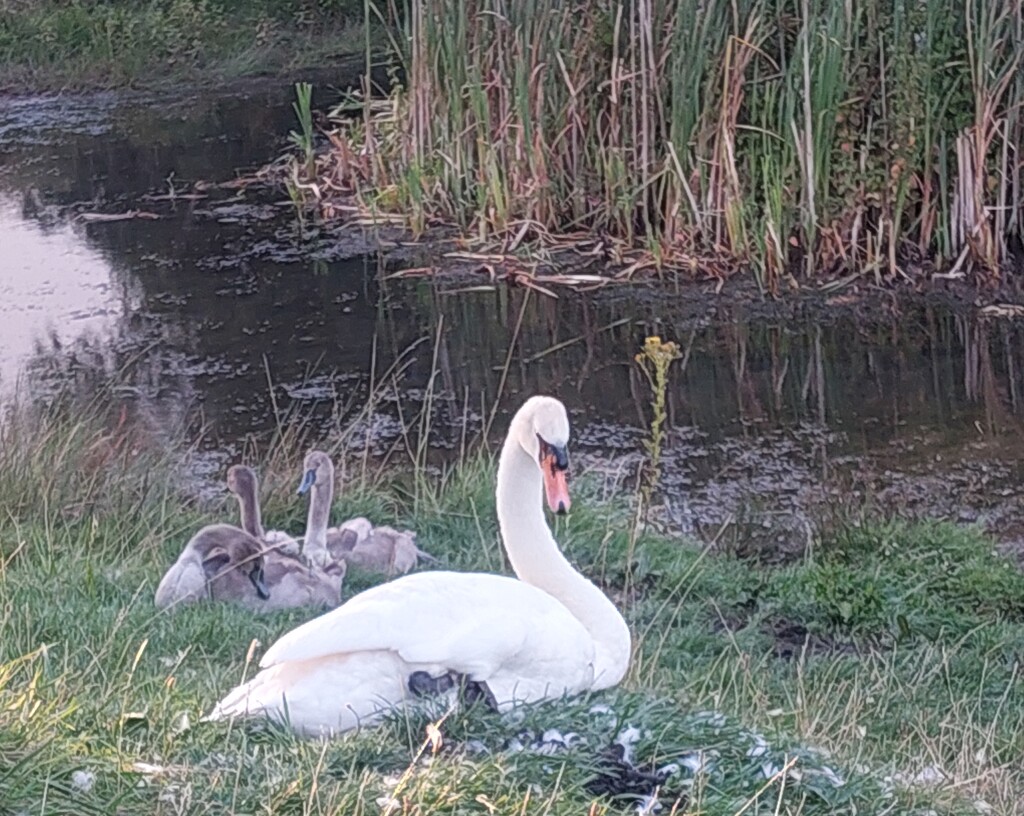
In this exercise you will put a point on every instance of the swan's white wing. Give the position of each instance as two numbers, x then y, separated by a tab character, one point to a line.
473	623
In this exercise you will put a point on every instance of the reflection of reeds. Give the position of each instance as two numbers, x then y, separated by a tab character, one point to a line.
886	368
810	136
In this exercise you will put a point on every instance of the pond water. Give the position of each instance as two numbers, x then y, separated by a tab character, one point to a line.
224	305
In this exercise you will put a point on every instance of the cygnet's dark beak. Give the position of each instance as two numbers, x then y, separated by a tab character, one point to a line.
256	576
307	481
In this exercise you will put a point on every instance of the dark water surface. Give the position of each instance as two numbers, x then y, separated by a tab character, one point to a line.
223	305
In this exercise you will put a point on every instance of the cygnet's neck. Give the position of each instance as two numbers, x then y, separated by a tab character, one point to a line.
249	503
537	560
320	497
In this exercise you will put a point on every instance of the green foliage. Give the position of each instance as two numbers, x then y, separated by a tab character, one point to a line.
110	42
303	138
800	137
904	581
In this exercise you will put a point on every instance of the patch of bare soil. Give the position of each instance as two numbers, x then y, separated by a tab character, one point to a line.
791	639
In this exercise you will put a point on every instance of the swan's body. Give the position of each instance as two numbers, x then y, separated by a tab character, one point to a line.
380	549
550	633
339	672
221	562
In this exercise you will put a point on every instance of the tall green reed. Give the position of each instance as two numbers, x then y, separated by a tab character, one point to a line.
303	138
794	137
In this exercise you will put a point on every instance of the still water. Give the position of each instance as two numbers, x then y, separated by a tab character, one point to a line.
222	306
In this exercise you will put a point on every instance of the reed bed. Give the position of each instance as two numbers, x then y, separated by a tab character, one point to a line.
800	139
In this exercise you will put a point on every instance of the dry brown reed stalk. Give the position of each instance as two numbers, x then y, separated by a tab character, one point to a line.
800	138
995	61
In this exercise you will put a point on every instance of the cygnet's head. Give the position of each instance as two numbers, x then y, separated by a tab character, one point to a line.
542	430
317	469
226	557
242	481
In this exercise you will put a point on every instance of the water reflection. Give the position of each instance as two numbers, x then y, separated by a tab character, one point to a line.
221	304
100	284
53	286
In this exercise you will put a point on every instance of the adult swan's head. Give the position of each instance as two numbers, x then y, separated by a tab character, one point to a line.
541	428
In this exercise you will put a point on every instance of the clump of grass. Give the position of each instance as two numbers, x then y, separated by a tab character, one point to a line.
100	694
800	138
303	138
52	43
75	457
897	581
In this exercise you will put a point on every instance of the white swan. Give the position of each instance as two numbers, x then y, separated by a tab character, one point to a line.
550	633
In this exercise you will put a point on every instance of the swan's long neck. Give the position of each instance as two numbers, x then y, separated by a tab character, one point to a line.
537	560
321	495
249	504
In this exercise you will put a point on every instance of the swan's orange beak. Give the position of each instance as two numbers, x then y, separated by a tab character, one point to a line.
553	464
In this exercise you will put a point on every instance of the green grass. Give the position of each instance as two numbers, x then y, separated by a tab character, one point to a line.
69	43
914	638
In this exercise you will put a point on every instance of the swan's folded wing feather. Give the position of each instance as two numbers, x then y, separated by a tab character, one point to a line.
467	622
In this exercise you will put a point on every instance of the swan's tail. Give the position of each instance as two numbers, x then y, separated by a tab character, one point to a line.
247	700
322	696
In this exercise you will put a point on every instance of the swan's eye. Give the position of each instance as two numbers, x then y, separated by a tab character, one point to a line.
556	457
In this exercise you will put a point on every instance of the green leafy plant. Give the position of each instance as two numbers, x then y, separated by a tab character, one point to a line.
303	138
655	359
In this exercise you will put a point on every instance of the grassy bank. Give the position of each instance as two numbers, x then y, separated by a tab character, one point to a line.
67	43
800	139
884	663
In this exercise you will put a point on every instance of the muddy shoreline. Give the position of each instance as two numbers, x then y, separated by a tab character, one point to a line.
255	206
437	257
442	256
